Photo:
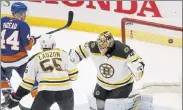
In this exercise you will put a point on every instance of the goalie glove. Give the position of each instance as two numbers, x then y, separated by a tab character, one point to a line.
13	100
74	56
136	66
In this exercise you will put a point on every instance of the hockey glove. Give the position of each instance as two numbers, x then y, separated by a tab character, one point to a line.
136	65
34	39
13	100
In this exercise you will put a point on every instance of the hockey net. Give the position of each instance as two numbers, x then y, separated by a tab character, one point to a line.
160	45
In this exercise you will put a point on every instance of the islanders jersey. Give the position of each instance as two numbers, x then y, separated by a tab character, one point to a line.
52	69
112	69
15	41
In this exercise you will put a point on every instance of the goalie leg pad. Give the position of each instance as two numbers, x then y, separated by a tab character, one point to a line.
122	103
115	104
146	103
95	104
100	104
92	102
134	102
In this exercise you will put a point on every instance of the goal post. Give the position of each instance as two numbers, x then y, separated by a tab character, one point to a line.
165	39
162	72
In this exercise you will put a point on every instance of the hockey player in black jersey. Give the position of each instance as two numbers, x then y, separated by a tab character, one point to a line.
117	65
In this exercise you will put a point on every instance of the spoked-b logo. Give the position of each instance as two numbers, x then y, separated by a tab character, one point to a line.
5	3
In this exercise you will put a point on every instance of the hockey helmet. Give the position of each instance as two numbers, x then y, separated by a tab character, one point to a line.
19	10
18	7
47	41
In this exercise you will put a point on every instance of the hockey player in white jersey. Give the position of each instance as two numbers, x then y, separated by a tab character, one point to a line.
54	71
117	65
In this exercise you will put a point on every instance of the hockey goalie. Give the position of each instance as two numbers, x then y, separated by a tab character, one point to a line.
117	66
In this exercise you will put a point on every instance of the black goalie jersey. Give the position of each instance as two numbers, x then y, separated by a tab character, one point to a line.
112	69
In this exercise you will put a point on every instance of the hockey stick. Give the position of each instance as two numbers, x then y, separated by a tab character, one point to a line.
69	22
24	108
4	107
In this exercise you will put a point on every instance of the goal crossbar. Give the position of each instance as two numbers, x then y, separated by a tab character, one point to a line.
148	23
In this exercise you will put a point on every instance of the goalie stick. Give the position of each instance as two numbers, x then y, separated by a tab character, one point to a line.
69	22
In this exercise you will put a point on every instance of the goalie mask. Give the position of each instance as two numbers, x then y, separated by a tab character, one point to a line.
47	41
105	41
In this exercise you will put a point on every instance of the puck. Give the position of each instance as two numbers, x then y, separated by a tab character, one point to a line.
170	41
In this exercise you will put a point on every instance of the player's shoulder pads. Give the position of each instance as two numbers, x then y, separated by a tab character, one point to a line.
121	50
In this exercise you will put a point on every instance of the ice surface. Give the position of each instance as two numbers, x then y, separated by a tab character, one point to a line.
162	64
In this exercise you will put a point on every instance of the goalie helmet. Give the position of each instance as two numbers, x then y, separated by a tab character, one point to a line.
47	41
105	41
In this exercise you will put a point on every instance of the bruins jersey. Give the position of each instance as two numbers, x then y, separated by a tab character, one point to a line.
52	69
112	69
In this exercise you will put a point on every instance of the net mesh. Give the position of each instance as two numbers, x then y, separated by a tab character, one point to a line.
161	48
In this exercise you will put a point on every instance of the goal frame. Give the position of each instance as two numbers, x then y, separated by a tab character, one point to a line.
177	85
144	22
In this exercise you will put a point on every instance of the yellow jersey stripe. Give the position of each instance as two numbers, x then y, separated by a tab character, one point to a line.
125	79
72	70
29	80
54	84
140	75
115	86
110	86
79	52
73	77
135	58
26	86
84	50
55	79
118	82
80	48
119	58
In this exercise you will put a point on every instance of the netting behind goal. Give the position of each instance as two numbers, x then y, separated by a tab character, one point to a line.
160	45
